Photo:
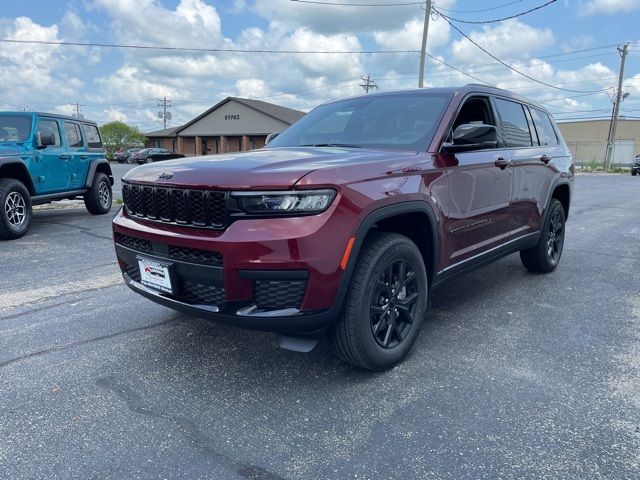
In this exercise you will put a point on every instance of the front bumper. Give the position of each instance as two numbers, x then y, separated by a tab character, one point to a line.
280	275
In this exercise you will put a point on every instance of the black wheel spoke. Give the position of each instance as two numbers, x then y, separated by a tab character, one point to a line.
406	303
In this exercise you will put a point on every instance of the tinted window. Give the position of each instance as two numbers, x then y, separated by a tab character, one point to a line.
14	128
49	126
74	137
383	121
514	123
544	127
93	136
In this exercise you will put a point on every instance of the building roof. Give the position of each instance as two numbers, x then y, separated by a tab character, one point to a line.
169	132
284	114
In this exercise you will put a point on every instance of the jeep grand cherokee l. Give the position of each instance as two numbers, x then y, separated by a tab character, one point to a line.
347	219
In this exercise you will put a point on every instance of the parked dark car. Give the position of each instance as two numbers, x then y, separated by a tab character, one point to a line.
149	155
635	166
125	156
347	219
46	157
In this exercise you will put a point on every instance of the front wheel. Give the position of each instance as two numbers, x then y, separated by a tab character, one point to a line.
634	173
15	209
545	256
385	306
99	197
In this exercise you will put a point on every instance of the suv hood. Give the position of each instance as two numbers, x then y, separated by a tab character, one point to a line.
271	168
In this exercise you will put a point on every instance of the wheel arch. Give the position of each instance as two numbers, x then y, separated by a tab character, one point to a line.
562	193
12	168
98	165
414	219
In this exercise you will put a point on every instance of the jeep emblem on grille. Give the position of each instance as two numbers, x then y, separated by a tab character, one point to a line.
165	176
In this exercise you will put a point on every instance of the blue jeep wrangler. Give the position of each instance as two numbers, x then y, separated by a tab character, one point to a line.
46	157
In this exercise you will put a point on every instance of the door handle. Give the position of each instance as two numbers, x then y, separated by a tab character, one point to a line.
64	157
545	159
84	156
502	163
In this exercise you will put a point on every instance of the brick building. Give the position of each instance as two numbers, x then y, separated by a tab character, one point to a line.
233	125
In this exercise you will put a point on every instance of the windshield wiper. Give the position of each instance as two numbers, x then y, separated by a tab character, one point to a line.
345	145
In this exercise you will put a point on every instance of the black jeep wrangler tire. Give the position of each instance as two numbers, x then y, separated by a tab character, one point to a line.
15	209
99	198
385	306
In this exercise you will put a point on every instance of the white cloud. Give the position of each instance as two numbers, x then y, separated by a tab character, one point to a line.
510	38
610	6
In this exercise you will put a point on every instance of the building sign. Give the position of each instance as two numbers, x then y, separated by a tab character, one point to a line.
233	116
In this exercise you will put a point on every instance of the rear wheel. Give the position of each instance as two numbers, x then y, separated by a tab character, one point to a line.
545	256
385	306
15	209
99	197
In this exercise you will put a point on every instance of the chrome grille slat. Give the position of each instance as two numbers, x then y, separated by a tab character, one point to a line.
188	207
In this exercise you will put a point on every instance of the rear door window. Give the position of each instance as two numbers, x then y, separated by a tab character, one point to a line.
74	136
544	127
513	121
93	135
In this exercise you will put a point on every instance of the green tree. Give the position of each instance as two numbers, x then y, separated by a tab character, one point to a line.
117	135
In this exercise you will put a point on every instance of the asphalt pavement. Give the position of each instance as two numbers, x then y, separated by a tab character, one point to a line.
514	375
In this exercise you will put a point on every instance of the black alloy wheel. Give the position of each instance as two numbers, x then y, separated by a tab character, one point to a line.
393	304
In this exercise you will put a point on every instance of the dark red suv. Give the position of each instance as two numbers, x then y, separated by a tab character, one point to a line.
346	219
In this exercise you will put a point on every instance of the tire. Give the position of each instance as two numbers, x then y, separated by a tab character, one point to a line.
545	256
371	333
634	173
15	209
99	198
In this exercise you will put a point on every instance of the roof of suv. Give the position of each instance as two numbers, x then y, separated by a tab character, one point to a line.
45	114
459	90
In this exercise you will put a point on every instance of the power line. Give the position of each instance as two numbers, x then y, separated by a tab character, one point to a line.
483	9
190	49
505	63
194	49
504	18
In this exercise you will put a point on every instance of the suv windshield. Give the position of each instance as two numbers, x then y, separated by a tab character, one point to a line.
15	128
402	121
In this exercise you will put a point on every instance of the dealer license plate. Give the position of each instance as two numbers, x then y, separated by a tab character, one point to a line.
155	275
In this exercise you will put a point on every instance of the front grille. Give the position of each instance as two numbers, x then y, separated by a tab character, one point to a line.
279	294
132	271
194	255
197	208
137	244
172	252
193	292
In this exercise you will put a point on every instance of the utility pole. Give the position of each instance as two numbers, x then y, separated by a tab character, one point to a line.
616	110
368	83
76	107
164	103
425	33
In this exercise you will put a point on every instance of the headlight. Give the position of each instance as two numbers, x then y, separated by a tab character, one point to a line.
279	203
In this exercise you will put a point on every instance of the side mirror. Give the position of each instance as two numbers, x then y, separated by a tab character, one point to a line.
45	139
270	137
473	136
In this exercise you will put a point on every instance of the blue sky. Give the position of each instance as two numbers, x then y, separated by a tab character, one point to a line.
569	44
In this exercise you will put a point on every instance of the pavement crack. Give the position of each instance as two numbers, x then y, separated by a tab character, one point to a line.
31	312
187	427
86	230
69	346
